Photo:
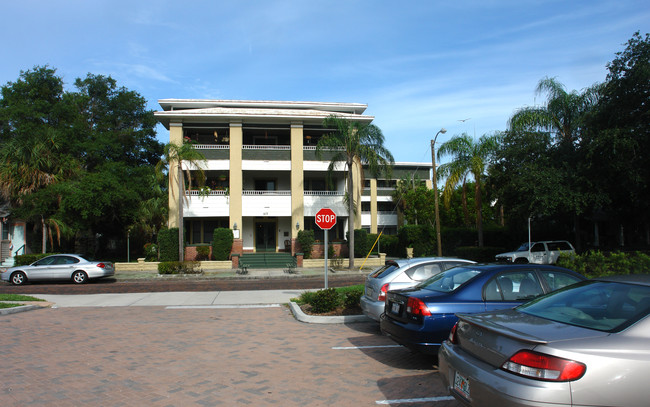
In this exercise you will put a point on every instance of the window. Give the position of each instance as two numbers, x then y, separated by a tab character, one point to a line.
423	271
513	286
449	280
603	306
538	247
555	280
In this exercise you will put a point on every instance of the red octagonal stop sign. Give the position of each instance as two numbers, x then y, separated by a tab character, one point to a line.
325	219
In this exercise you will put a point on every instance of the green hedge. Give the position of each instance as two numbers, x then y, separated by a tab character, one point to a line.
26	259
597	263
179	267
420	237
222	240
168	244
306	240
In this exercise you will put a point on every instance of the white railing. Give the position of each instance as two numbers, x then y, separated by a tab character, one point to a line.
212	146
268	193
324	148
325	193
266	147
208	193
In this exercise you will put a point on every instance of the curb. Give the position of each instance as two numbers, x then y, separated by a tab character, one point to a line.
15	310
315	319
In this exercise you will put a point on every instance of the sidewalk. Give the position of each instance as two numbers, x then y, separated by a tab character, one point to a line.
166	299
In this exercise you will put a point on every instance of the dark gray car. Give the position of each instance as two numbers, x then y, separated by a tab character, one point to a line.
402	273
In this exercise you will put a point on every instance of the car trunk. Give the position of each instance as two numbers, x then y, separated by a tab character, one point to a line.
494	337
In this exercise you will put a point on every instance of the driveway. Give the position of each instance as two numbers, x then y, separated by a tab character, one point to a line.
173	356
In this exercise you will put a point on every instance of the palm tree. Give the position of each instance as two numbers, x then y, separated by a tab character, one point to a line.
469	158
354	143
562	116
186	161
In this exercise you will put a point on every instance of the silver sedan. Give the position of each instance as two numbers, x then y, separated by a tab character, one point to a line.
59	267
402	273
584	345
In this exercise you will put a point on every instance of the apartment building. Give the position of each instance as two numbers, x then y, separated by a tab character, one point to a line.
263	178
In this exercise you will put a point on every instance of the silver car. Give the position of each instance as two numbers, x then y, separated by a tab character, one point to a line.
403	273
59	267
585	345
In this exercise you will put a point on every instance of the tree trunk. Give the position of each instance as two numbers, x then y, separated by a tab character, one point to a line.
181	194
465	209
350	216
479	212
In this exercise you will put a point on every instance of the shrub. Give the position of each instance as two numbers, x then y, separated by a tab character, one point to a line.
26	259
352	297
325	301
421	238
168	244
150	252
306	240
202	253
597	263
179	267
222	240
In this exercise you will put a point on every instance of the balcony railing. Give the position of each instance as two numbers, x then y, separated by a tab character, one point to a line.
212	146
324	193
216	192
266	147
267	193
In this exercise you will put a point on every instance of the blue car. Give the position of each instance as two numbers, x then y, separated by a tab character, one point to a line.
421	318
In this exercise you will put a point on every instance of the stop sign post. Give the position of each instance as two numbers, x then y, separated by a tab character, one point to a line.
326	219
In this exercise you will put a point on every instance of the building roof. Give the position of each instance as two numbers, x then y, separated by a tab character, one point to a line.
255	111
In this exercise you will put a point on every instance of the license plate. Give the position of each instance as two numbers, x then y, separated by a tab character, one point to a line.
461	385
394	308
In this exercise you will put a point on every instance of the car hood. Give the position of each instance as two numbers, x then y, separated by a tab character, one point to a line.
508	254
518	325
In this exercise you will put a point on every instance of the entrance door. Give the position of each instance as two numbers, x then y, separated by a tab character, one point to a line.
265	236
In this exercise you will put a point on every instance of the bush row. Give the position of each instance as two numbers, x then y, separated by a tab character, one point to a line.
167	248
25	259
327	300
598	264
179	267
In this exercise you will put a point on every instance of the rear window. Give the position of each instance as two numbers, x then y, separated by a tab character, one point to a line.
384	270
598	305
449	280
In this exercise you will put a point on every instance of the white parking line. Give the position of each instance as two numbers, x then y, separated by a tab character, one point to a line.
422	400
224	306
365	347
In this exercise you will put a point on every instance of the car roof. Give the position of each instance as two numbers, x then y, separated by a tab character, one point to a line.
640	279
418	260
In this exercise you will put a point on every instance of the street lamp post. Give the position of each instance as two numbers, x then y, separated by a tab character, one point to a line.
435	188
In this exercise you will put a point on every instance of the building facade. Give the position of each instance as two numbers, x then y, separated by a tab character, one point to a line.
263	178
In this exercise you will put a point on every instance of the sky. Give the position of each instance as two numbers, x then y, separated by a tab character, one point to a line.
420	66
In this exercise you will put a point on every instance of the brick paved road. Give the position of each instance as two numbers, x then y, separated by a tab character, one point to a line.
152	356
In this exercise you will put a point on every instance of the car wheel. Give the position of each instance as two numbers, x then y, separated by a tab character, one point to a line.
79	277
18	278
521	260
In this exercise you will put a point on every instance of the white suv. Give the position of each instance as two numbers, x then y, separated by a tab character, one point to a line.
545	252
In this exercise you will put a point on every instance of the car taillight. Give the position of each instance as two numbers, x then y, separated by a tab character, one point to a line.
544	367
101	265
382	292
415	306
452	335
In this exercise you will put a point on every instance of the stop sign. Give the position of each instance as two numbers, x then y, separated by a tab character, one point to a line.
325	219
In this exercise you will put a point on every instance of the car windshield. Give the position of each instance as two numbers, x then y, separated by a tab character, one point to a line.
600	305
384	270
449	280
523	247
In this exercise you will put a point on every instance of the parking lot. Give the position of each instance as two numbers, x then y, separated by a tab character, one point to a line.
173	356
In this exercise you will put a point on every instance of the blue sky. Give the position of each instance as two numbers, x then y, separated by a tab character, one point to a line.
419	65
